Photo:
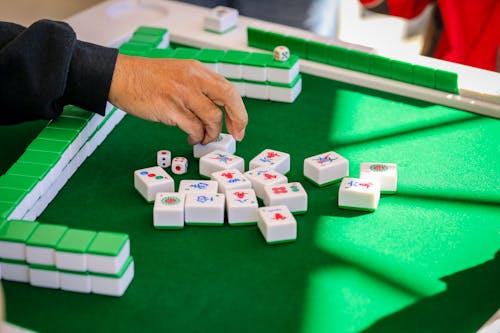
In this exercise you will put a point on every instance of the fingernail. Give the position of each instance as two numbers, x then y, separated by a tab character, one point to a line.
240	135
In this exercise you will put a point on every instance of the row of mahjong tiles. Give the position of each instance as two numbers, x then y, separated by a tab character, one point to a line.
256	75
53	256
58	257
31	183
146	41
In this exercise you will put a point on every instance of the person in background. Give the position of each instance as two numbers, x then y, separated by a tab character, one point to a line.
468	32
318	16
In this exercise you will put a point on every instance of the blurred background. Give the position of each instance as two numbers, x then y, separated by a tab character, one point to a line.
344	19
26	12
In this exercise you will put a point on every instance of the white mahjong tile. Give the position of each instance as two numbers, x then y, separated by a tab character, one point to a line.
326	168
189	186
260	177
277	224
46	277
14	235
257	90
221	19
241	207
108	252
224	142
220	160
385	173
254	73
75	281
15	270
71	261
291	195
168	211
273	159
359	194
285	94
114	285
150	181
230	71
204	209
282	75
231	179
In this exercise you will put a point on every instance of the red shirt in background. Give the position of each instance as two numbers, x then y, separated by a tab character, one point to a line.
471	28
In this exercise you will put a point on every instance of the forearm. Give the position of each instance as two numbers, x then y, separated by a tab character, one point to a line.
44	67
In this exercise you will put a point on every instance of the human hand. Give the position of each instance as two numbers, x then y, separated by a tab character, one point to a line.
180	93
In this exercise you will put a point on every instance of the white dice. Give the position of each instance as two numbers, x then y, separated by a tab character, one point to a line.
385	173
204	209
231	179
224	142
260	177
168	211
359	194
220	160
221	19
150	181
273	159
241	206
281	53
163	158
180	165
291	195
190	186
325	169
277	224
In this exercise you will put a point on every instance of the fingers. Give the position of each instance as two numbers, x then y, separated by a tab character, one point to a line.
225	94
209	114
191	125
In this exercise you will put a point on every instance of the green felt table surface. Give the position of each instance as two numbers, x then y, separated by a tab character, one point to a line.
427	260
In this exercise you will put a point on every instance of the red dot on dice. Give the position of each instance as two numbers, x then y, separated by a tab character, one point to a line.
152	175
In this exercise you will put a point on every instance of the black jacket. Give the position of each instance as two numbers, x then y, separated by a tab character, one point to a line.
44	67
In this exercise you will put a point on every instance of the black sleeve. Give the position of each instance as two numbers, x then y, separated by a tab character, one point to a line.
44	67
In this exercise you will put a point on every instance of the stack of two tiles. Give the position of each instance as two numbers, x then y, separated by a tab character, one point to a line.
32	182
260	76
46	165
364	193
54	256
